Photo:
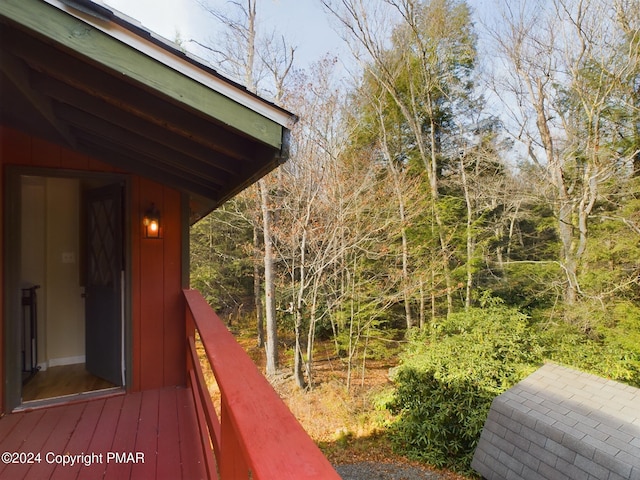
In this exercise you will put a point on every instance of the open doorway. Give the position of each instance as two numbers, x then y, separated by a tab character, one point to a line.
71	255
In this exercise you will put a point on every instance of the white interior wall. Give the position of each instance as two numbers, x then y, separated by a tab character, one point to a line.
33	252
50	258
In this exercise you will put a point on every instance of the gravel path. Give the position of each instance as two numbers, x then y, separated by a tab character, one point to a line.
385	471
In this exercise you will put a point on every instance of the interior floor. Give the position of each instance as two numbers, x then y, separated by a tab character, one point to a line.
62	380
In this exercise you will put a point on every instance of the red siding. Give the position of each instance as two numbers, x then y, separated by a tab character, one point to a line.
2	156
158	325
161	342
175	368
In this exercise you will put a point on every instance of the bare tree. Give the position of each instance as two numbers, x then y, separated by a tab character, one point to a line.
261	64
424	73
563	76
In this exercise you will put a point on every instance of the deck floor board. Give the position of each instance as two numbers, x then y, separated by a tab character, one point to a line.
188	441
159	424
102	441
59	438
168	464
124	438
147	438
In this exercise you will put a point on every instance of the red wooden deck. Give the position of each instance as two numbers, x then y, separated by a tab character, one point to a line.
143	435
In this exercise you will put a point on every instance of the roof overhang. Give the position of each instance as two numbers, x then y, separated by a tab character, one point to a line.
82	75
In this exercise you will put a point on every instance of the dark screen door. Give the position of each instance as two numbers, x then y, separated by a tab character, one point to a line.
103	289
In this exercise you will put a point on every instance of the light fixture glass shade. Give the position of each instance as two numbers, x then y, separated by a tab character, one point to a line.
151	222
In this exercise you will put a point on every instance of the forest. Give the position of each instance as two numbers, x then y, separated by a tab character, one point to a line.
466	201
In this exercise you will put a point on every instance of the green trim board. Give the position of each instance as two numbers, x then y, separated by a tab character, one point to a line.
89	42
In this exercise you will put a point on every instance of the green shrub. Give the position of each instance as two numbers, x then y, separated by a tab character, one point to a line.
610	347
449	377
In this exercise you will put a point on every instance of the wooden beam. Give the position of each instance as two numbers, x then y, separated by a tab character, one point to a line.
96	46
81	100
17	72
153	170
130	141
118	93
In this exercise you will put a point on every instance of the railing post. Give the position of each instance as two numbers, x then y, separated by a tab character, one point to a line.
232	464
190	328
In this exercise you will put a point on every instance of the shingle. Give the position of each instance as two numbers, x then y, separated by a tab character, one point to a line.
591	467
632	460
560	423
615	432
510	462
615	476
612	464
584	419
548	471
518	440
577	445
502	445
572	431
550	432
599	445
530	474
545	456
560	450
533	436
526	458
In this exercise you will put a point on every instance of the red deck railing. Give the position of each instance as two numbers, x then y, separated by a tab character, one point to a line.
256	436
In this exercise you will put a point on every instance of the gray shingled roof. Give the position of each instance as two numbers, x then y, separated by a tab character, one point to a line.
559	424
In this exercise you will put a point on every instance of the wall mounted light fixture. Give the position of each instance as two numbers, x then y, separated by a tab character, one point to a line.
151	222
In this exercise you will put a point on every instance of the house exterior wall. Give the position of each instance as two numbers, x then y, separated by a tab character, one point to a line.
157	340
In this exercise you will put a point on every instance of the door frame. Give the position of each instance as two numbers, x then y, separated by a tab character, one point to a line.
11	271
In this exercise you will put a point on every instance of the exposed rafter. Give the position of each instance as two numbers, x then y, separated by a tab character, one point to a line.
102	87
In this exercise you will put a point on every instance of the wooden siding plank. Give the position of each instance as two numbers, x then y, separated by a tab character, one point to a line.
111	53
147	436
3	268
174	347
152	292
74	160
16	146
45	154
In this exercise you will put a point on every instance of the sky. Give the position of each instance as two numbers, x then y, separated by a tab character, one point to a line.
303	23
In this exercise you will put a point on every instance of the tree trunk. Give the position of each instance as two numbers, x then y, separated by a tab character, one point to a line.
469	231
271	344
257	290
298	360
397	187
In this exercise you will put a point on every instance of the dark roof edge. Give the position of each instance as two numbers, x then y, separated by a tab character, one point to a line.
107	13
